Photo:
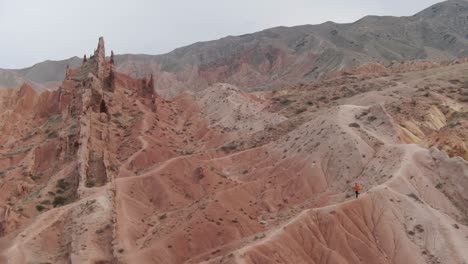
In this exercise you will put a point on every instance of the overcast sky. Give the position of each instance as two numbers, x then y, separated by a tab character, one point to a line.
32	31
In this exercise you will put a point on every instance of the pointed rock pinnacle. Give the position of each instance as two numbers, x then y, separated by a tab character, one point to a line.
100	52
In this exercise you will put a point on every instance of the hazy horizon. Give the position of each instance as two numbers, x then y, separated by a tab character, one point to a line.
34	32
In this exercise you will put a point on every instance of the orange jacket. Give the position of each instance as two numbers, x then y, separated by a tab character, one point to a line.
357	187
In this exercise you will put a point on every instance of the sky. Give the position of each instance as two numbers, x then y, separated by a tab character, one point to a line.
32	31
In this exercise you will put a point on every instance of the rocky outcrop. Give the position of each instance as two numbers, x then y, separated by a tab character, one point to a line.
66	151
100	59
430	126
112	57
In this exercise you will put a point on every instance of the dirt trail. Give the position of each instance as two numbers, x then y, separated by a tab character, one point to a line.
141	137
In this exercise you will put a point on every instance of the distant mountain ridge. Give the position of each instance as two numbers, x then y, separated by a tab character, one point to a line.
40	75
282	56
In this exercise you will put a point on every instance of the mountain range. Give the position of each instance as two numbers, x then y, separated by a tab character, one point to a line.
277	57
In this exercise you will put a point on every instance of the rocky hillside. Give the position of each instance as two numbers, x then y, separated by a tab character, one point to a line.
280	56
47	74
104	170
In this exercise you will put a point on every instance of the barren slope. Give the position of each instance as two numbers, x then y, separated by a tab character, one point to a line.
104	170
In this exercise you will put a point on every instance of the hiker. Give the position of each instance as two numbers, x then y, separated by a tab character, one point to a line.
356	189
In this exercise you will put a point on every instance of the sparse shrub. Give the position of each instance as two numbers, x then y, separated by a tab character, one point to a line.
45	202
439	186
259	237
59	201
285	101
419	228
61	184
162	217
415	197
114	167
310	103
52	134
354	125
371	118
300	110
36	176
229	147
102	229
456	226
188	152
90	184
73	129
40	208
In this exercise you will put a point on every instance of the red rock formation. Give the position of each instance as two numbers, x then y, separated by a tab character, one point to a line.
92	174
100	58
112	57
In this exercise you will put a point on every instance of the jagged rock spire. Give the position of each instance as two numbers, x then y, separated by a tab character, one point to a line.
84	59
147	87
112	57
100	57
111	80
67	72
153	93
100	52
151	82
